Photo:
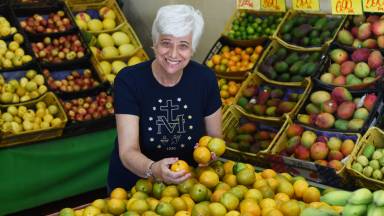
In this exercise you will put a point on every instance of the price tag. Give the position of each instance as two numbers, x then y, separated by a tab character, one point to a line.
376	6
273	5
248	4
347	7
306	5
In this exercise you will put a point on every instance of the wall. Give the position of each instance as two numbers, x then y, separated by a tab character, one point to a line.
140	13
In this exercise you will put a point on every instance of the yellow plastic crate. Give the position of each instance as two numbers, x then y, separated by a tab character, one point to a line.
373	136
231	119
292	13
255	78
9	139
81	5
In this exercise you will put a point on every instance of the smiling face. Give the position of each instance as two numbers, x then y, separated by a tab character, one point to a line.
173	53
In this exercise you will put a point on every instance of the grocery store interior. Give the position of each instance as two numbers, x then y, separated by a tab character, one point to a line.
302	109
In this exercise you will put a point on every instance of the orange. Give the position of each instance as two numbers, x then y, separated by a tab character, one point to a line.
92	210
230	179
209	178
170	191
232	90
139	206
253	194
180	165
267	203
202	155
226	54
204	140
272	183
250	206
232	82
260	183
100	204
300	186
179	204
268	173
224	61
249	50
209	63
282	197
116	206
119	193
217	146
274	212
216	59
188	201
235	58
217	209
225	49
238	50
259	49
182	213
290	208
217	194
223	186
311	194
228	166
286	187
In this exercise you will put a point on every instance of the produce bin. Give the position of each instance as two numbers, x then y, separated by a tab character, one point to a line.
303	88
271	51
9	139
225	102
22	13
373	136
231	120
255	41
223	42
6	12
76	6
310	169
289	17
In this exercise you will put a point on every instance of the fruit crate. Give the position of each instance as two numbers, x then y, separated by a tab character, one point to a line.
5	12
231	120
61	72
288	18
309	169
303	88
373	136
372	119
96	63
240	80
22	14
369	86
75	61
271	51
9	139
250	42
76	6
134	40
30	3
222	42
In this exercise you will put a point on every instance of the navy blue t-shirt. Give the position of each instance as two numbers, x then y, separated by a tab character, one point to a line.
171	119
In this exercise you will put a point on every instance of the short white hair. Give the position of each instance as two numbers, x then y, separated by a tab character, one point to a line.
178	20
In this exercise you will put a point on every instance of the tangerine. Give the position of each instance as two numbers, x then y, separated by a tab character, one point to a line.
311	194
119	193
209	178
204	140
179	166
202	155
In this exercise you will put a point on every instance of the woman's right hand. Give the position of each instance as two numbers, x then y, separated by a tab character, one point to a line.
161	170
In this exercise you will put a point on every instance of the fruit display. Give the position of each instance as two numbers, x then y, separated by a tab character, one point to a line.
89	108
109	69
16	87
323	147
251	136
249	26
114	45
234	59
59	49
362	66
263	99
309	31
94	20
340	109
71	81
228	90
33	117
359	202
287	65
13	54
53	22
362	31
6	28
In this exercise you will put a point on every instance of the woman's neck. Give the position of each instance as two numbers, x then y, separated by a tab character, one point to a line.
165	79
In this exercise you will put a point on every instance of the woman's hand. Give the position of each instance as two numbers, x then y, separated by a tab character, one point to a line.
161	170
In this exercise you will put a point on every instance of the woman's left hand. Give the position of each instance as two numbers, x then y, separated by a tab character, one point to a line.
161	170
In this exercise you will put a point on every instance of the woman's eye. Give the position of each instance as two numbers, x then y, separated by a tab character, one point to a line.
165	44
184	46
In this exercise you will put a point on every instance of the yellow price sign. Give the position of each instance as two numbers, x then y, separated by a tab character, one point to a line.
306	5
273	5
373	6
248	4
347	7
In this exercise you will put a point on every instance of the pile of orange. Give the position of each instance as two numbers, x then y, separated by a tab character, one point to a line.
228	90
235	59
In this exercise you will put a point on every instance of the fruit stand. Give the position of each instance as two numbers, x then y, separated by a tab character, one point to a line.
302	101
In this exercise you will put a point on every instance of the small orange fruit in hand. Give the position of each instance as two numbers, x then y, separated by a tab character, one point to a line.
204	140
180	165
217	146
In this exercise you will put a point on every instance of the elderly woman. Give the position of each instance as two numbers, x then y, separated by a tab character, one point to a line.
163	106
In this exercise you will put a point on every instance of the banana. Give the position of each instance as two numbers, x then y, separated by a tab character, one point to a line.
354	210
378	198
339	198
361	196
